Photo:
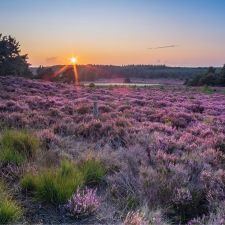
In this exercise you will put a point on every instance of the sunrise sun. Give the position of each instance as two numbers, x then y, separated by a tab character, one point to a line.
73	60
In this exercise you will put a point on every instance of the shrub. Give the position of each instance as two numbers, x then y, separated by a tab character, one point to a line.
91	85
215	218
93	171
188	205
18	146
54	185
83	110
10	211
125	189
83	203
48	138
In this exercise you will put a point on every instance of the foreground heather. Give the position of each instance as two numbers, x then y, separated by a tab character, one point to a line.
163	149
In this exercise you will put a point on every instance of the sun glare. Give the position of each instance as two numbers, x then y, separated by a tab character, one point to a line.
73	60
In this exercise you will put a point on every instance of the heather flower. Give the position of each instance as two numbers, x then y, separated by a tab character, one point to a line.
84	202
48	138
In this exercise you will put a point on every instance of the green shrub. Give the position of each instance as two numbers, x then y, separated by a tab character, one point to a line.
55	185
10	211
18	146
93	171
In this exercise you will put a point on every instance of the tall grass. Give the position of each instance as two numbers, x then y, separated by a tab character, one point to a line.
93	170
55	185
18	146
10	211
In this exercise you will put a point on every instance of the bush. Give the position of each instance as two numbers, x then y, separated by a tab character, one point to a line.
93	171
188	205
55	185
83	203
83	110
18	146
91	85
9	209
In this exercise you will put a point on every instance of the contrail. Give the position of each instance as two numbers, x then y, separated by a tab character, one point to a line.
165	46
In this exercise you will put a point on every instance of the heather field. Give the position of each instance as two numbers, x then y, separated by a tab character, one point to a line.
112	155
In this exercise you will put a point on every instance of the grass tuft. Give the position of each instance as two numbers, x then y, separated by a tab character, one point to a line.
18	146
55	185
93	170
10	211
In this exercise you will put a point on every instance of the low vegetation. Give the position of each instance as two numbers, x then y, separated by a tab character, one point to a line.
93	171
18	146
56	185
83	203
10	211
163	148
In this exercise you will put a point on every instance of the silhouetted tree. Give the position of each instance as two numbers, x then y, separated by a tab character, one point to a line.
222	76
11	62
211	70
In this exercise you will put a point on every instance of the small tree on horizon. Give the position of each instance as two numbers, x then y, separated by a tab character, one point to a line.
12	63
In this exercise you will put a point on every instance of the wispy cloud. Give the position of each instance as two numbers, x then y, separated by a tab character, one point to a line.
51	59
164	46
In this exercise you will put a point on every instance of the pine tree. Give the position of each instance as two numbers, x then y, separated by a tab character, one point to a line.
11	62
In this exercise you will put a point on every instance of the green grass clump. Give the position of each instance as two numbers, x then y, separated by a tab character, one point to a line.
54	185
18	146
93	170
28	182
9	209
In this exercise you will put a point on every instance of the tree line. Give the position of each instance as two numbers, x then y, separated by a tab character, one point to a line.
13	63
96	72
212	77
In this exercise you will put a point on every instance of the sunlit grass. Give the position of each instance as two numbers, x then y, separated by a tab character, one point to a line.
55	185
18	146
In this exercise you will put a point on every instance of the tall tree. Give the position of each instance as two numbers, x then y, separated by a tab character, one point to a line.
11	61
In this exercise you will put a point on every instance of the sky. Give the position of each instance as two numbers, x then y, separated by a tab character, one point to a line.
119	32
